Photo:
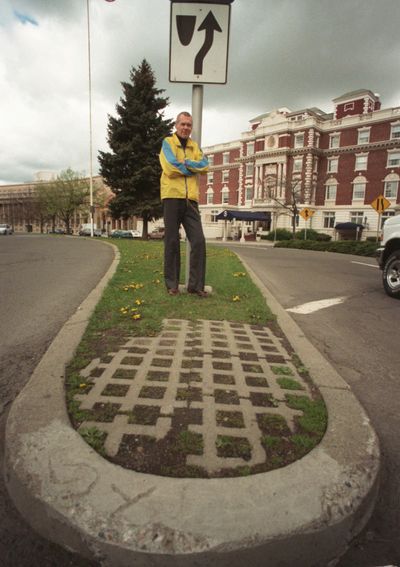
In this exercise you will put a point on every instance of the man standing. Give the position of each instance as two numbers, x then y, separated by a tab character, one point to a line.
181	162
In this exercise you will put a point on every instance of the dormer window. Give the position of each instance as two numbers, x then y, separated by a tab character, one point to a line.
349	106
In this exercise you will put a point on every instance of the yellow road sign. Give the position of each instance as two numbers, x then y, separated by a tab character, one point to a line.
306	213
380	204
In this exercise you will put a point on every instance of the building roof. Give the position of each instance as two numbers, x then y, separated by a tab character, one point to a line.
355	94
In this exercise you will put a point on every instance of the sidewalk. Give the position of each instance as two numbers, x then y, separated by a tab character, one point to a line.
217	379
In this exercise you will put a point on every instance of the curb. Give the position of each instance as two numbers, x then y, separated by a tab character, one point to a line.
303	514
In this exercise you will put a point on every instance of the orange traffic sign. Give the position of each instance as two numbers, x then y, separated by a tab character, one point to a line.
306	213
380	204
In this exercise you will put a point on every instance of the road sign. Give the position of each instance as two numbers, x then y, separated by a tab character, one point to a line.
199	38
306	213
380	204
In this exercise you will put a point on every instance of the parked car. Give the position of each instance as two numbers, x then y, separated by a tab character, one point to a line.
88	232
136	233
388	256
5	229
157	233
121	234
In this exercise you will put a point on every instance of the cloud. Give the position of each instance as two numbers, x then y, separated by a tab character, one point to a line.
294	53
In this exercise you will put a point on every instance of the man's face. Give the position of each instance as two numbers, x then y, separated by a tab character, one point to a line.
184	126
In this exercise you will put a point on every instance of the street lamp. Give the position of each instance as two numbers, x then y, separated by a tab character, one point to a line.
90	123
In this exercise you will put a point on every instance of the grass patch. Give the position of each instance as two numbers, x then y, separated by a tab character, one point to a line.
282	370
315	416
289	384
94	437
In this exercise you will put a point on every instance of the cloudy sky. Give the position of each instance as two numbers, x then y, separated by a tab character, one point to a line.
294	53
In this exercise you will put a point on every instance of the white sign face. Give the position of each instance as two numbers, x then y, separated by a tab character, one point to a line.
199	38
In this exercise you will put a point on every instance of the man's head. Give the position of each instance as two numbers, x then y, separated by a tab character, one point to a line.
184	125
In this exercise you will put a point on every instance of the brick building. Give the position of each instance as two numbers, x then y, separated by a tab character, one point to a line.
333	164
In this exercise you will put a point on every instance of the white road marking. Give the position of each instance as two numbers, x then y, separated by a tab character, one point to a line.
313	306
364	264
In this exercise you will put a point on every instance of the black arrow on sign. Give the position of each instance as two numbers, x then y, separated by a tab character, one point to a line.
211	25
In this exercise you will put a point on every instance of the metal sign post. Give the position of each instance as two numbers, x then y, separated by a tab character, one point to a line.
199	39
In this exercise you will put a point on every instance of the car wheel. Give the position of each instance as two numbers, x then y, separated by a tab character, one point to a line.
391	275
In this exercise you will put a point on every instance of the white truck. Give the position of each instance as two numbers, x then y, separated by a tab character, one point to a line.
388	256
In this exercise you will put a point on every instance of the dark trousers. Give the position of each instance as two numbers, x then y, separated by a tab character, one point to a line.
183	212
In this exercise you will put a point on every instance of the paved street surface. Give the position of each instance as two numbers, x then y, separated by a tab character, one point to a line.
360	337
43	279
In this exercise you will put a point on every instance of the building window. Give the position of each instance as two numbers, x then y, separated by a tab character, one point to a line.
225	195
356	217
299	141
298	164
361	162
225	157
210	160
210	177
385	216
210	196
349	106
393	159
249	193
225	176
334	140
395	131
250	148
249	169
359	186
390	189
214	213
363	136
329	220
333	164
330	191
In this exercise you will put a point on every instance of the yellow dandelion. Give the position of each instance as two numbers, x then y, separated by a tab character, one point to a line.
139	301
236	298
82	385
157	281
136	316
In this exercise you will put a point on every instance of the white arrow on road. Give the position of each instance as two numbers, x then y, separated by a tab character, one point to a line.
312	306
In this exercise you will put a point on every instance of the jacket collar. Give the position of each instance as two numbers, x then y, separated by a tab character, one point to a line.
178	142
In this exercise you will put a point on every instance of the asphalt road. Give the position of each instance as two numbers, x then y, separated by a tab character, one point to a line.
360	337
43	279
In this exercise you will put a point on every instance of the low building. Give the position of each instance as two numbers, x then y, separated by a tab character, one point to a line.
334	165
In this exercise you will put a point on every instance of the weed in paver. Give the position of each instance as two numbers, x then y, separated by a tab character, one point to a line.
222	365
289	384
187	377
282	370
119	390
191	443
314	418
272	424
228	446
163	362
125	373
229	418
94	437
303	442
189	394
271	442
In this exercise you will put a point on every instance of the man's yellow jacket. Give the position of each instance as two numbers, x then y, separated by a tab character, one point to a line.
180	169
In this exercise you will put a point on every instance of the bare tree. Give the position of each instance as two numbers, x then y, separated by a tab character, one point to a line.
291	197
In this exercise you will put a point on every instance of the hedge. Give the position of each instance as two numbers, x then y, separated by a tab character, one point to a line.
356	247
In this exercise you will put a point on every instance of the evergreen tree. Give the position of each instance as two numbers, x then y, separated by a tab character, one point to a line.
132	169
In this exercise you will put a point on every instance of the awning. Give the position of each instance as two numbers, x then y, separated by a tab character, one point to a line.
348	226
244	215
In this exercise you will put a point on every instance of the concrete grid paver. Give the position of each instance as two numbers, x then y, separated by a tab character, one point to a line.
217	372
